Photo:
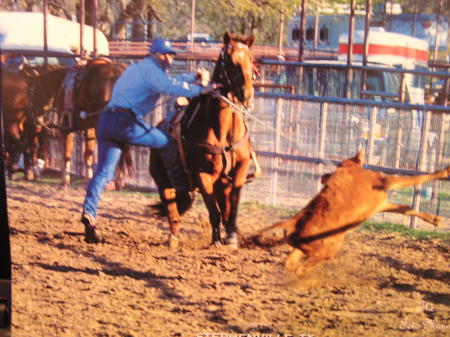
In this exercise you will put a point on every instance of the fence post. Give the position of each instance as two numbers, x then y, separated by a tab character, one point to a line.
398	147
439	154
371	135
421	164
277	146
322	139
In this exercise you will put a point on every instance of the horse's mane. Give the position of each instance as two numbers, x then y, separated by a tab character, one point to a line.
239	38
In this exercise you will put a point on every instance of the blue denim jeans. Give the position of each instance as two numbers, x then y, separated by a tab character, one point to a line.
115	129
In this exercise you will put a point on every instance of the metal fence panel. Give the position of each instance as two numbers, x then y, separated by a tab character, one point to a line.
298	140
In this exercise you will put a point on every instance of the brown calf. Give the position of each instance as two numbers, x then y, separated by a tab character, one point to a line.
350	195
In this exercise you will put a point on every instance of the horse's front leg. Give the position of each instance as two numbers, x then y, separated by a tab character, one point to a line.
90	141
230	203
207	189
230	222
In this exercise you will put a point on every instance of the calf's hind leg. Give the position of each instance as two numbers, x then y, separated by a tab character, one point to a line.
391	183
407	210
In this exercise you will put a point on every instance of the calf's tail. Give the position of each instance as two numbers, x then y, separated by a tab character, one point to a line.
288	226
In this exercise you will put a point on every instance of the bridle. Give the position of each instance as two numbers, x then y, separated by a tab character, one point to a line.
227	79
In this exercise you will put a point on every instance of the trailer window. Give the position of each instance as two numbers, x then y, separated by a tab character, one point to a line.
374	81
392	82
309	34
295	34
323	34
419	80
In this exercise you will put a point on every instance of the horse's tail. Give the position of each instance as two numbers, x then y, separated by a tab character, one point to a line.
184	200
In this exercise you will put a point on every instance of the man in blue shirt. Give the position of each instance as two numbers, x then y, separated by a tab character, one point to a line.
122	122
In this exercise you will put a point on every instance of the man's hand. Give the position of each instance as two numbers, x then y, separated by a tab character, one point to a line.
202	77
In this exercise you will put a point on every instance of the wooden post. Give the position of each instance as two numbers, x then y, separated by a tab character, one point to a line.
439	153
366	43
398	146
94	26
422	164
301	38
277	146
351	28
402	88
300	79
45	12
316	29
371	135
262	77
82	23
416	10
192	25
436	39
281	33
322	139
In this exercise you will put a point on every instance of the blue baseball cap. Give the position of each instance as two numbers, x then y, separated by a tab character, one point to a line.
162	46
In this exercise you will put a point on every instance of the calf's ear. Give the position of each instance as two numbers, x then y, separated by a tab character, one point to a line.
359	158
227	38
325	178
250	40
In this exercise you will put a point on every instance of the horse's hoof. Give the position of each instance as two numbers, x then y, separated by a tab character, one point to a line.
232	241
63	186
173	242
29	175
216	244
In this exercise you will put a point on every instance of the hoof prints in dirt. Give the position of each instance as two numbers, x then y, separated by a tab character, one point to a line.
134	285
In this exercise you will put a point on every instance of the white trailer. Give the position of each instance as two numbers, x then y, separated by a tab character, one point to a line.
22	33
390	50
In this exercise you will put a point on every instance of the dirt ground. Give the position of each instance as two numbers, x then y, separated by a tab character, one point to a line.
133	285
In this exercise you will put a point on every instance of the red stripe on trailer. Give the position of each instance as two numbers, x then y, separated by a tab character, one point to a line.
378	49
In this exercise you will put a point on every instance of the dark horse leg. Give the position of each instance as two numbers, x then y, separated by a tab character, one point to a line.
14	147
229	197
30	153
229	210
208	192
14	150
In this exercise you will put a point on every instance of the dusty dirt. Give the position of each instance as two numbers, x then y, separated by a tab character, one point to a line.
133	285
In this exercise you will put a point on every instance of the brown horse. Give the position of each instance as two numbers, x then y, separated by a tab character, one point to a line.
15	102
217	145
19	117
84	93
44	90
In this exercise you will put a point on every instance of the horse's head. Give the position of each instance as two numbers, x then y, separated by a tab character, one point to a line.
234	69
